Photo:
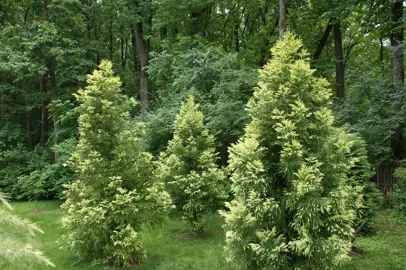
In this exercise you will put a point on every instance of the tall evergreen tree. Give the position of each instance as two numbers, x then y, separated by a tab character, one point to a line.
294	203
114	191
189	168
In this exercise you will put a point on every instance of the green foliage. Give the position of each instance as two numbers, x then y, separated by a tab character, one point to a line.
221	82
114	191
375	110
295	201
12	227
32	186
399	194
23	171
197	186
359	177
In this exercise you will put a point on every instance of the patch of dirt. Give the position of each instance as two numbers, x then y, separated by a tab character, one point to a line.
189	235
37	212
185	235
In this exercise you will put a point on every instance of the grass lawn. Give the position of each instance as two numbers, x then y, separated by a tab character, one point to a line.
169	249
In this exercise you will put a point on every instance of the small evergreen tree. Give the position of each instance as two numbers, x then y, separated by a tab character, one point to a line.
295	203
359	177
196	184
12	229
114	191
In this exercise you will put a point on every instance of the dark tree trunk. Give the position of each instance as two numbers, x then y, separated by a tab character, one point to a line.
51	69
282	19
44	113
381	61
143	48
237	40
111	41
398	71
96	36
338	49
1	99
163	32
134	45
111	32
396	39
123	53
28	114
323	41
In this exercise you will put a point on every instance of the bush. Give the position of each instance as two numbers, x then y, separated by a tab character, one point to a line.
399	193
295	203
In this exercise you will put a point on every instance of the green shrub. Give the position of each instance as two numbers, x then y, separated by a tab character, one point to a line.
359	177
399	193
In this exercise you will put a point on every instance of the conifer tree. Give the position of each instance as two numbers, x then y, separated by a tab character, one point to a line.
114	191
196	184
12	229
295	199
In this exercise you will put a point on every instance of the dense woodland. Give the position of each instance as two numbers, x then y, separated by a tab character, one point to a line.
273	113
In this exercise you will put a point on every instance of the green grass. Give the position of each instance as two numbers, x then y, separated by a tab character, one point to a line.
169	249
166	247
386	248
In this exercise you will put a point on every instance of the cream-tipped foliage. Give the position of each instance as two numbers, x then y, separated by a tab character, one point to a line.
295	202
196	184
114	191
12	230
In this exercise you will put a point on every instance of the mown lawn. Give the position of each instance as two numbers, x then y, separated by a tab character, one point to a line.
170	249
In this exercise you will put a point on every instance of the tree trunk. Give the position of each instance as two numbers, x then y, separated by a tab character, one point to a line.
143	48
237	40
396	39
381	60
1	99
398	71
96	36
27	114
123	53
111	32
338	49
134	45
323	41
44	112
282	19
51	69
